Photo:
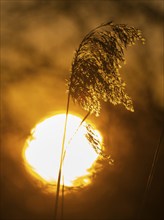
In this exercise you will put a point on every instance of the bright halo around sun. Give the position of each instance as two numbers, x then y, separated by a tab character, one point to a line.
42	152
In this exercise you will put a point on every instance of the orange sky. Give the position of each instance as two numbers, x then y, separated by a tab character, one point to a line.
38	44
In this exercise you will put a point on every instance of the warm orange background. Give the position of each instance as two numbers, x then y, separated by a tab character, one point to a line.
38	42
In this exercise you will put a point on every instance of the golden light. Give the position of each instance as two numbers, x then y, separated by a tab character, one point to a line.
43	149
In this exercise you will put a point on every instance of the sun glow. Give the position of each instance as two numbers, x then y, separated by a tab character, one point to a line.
43	149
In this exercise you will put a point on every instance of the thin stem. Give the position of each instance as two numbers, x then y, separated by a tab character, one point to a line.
64	153
86	116
62	200
61	159
151	174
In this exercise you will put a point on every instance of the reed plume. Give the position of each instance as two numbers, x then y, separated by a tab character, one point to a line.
96	143
95	76
95	69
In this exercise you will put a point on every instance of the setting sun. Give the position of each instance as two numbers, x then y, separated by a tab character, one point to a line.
43	149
